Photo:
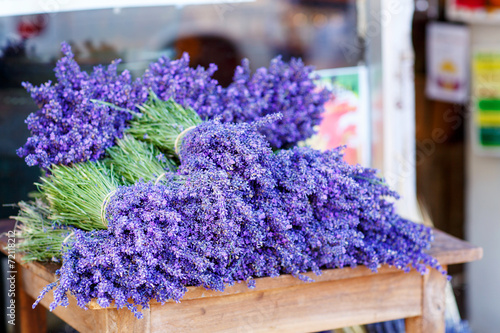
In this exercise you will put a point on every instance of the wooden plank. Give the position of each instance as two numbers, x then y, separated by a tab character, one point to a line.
432	319
79	319
26	316
446	249
46	271
124	321
310	307
449	250
283	281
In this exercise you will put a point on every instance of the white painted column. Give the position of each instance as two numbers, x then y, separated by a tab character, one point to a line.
390	60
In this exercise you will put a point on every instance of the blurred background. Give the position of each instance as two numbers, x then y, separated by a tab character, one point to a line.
415	93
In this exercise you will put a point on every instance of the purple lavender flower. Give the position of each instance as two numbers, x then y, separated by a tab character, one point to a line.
234	211
100	266
345	214
190	87
286	88
237	149
69	127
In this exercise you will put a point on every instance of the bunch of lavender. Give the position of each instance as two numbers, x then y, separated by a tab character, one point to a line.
41	238
141	256
161	123
188	224
238	149
190	87
396	242
286	88
345	214
314	205
134	160
236	211
242	153
160	238
78	194
69	127
99	266
197	228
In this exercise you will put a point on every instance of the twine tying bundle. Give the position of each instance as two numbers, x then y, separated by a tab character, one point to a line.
159	178
179	136
67	237
104	205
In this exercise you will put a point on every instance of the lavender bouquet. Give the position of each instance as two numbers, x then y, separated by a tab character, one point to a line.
71	127
192	192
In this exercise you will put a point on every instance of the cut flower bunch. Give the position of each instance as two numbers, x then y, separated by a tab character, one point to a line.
171	180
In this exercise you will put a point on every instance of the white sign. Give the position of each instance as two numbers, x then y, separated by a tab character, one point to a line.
447	62
26	7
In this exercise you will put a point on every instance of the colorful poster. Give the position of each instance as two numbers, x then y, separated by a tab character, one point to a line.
346	119
486	99
447	62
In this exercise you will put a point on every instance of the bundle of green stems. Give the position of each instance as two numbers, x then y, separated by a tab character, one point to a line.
41	239
133	160
77	194
163	123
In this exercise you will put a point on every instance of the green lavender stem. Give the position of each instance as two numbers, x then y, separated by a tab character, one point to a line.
161	122
133	160
40	238
76	194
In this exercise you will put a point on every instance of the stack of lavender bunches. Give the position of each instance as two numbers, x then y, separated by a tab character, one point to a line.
170	181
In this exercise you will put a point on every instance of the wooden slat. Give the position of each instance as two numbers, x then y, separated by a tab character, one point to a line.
124	321
310	307
79	319
432	319
283	281
26	316
449	250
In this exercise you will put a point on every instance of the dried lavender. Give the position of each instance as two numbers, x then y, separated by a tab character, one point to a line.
358	223
190	87
238	149
161	238
186	231
69	127
286	88
241	152
100	266
233	211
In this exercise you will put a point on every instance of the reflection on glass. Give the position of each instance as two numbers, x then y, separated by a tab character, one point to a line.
322	32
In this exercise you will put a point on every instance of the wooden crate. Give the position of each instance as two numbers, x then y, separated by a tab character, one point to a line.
337	298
